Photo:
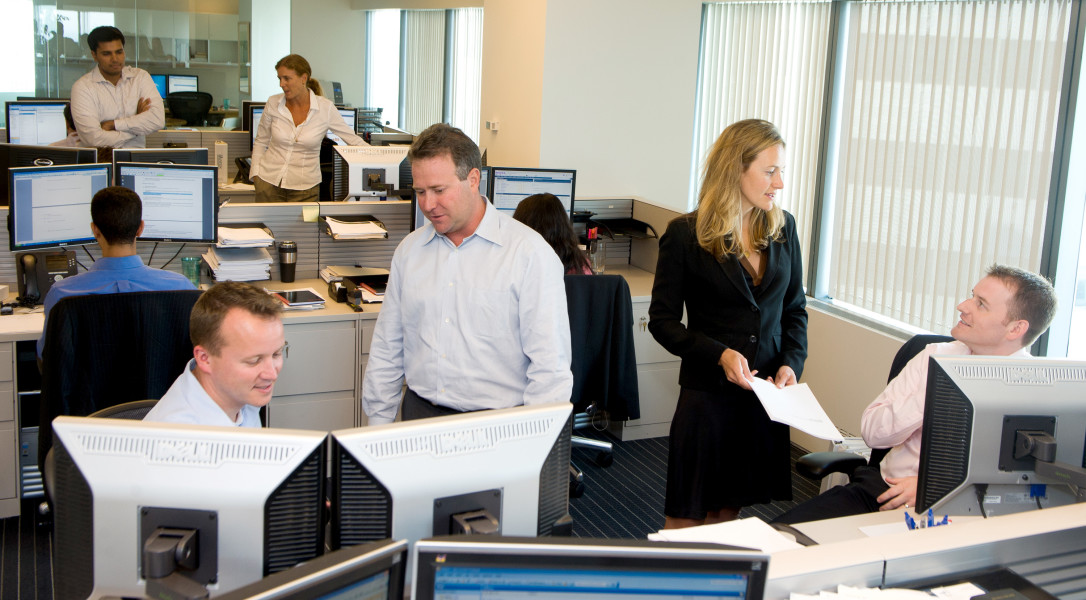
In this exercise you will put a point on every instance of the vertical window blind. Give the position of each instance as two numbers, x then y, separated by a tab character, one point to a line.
465	85
423	85
767	60
944	149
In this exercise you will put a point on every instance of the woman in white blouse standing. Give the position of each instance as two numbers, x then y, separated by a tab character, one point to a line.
286	152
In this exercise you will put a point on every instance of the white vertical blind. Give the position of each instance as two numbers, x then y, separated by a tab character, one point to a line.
946	139
465	88
767	60
424	73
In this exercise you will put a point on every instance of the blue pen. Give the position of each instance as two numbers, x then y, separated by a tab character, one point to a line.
909	522
931	519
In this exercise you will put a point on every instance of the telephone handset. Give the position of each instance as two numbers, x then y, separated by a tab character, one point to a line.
244	163
37	271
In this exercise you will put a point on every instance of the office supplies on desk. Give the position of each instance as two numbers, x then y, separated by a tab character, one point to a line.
338	272
307	299
357	227
245	235
751	532
239	264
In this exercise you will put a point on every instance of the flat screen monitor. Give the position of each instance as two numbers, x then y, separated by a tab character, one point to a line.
182	83
975	412
253	115
505	469
246	114
584	569
484	187
252	497
50	206
170	156
374	571
160	83
17	155
350	116
178	200
36	123
509	186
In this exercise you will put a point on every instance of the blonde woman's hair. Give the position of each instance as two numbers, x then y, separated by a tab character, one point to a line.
298	64
720	201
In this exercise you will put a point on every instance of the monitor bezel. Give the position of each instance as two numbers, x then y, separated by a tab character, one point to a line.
8	150
572	183
13	209
165	83
583	554
213	238
332	572
195	152
7	116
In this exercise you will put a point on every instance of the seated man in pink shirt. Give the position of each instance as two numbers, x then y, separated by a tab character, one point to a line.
1008	310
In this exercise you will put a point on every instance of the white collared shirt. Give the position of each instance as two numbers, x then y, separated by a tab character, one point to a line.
288	155
477	326
187	402
94	100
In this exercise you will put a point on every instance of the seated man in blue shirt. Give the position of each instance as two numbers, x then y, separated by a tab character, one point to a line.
239	347
116	221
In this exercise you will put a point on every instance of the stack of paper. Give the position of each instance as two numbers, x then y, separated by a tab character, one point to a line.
239	264
244	237
365	230
751	532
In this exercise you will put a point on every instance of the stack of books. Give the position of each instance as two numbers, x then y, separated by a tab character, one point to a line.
239	264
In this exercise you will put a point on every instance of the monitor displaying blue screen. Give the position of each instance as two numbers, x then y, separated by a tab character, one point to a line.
182	83
160	83
178	200
36	123
50	206
510	186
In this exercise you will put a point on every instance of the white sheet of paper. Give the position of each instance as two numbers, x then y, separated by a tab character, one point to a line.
796	406
751	532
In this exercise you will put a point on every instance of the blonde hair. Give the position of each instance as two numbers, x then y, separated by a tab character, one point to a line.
720	201
298	64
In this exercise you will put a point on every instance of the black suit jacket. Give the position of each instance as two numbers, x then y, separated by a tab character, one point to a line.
767	326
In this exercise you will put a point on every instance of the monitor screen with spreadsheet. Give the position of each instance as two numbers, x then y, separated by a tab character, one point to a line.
36	123
509	186
178	200
50	206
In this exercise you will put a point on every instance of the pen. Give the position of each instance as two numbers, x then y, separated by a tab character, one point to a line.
909	522
931	519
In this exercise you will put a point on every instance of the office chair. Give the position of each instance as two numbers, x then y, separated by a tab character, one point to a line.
603	363
108	349
190	106
817	465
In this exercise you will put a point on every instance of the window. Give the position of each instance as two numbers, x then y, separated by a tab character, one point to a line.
931	158
438	54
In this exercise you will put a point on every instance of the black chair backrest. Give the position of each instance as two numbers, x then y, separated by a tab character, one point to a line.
904	354
601	331
190	106
108	349
135	410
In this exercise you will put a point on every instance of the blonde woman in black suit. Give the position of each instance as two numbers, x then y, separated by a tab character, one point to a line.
735	265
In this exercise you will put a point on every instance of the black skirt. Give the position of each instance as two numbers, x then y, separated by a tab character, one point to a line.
724	452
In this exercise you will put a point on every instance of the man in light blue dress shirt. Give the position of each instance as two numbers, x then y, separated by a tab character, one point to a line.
116	222
474	315
239	347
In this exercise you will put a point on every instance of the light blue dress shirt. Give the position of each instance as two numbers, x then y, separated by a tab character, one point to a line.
113	276
187	402
479	326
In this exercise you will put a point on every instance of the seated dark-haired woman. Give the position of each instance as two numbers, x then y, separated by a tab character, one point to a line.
545	214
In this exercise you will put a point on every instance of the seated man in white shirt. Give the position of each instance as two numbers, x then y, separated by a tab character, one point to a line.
239	347
1009	309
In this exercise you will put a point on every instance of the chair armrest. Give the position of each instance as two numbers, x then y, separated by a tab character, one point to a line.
817	465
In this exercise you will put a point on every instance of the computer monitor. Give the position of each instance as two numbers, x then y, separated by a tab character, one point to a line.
505	470
375	171
252	115
170	156
253	497
509	186
350	116
246	114
584	569
976	411
17	155
374	571
182	83
36	123
178	200
484	186
50	206
160	83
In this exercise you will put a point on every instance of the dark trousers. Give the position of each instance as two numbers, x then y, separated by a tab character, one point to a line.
416	407
857	497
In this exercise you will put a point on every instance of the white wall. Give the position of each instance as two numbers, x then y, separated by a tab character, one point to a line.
270	31
513	51
332	37
619	84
